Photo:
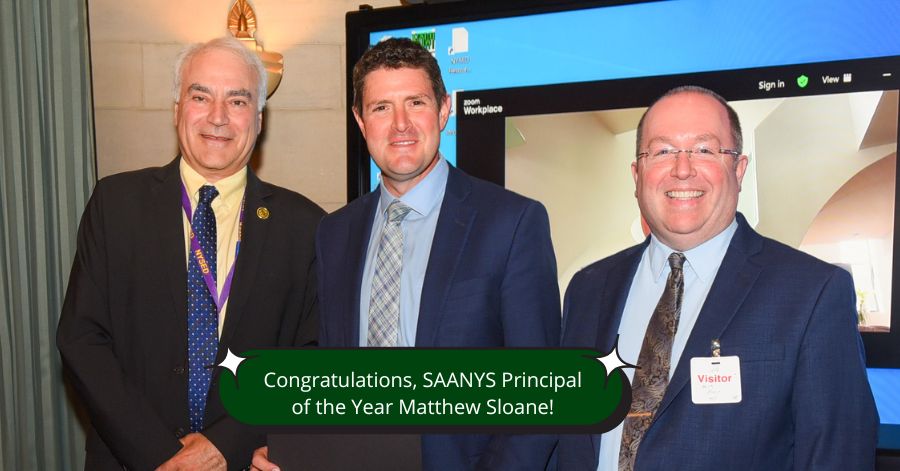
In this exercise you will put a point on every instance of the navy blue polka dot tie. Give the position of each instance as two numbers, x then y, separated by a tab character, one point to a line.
203	320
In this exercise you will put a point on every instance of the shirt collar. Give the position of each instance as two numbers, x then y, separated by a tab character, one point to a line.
425	196
703	260
227	187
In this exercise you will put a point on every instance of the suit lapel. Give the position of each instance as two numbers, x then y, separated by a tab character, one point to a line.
167	216
360	231
450	237
253	238
615	293
732	284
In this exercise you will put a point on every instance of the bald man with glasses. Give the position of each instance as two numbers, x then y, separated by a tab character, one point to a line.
747	350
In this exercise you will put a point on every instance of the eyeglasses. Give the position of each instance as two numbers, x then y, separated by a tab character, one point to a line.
700	152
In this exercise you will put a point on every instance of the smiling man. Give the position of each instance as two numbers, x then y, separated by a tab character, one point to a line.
433	257
178	264
704	297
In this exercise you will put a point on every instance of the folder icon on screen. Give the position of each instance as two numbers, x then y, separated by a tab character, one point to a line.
460	41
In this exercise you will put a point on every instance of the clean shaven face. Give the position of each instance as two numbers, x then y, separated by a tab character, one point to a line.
687	201
402	120
216	115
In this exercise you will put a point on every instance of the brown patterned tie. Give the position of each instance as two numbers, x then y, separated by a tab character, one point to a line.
650	381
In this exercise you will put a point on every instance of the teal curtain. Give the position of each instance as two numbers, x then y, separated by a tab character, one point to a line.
47	173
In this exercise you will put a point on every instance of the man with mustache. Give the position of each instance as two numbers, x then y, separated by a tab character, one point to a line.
433	257
178	264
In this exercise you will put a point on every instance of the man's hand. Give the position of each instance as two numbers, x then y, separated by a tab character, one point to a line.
198	453
261	460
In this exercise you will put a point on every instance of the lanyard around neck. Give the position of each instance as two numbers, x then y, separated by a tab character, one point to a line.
197	252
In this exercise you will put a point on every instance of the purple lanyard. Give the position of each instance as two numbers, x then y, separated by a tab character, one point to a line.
197	251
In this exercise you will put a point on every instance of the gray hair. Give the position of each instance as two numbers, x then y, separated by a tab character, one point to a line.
226	43
733	120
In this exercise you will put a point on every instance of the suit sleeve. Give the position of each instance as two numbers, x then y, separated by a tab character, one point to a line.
571	317
119	412
324	334
835	421
530	288
531	318
307	332
235	440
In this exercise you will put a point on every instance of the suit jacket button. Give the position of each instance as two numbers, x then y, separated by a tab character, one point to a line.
179	432
179	370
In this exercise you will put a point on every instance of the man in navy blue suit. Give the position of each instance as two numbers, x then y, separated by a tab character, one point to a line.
434	257
760	362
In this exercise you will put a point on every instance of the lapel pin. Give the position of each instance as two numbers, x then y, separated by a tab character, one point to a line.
262	212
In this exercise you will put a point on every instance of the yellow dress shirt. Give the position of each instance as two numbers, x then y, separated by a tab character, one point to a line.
227	208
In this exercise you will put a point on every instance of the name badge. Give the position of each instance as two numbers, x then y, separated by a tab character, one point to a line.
716	380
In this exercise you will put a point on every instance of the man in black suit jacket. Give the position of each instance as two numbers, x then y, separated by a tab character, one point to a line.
123	333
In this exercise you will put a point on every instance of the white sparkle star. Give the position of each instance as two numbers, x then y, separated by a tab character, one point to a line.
232	362
612	361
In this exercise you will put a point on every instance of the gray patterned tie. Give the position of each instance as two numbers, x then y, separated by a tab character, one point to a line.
384	305
651	380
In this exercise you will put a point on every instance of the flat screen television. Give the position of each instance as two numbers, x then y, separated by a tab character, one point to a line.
547	96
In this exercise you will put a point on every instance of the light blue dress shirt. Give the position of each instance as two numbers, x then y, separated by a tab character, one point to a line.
700	268
418	232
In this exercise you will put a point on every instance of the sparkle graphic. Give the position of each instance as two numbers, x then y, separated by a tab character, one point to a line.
232	362
612	361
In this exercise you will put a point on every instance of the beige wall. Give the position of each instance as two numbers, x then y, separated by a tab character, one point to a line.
810	146
580	169
133	46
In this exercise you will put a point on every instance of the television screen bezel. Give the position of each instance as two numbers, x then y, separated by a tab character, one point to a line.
882	349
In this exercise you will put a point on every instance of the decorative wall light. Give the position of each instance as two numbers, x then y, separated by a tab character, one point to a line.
242	24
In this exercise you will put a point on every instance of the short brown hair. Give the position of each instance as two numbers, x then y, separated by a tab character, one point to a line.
396	53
